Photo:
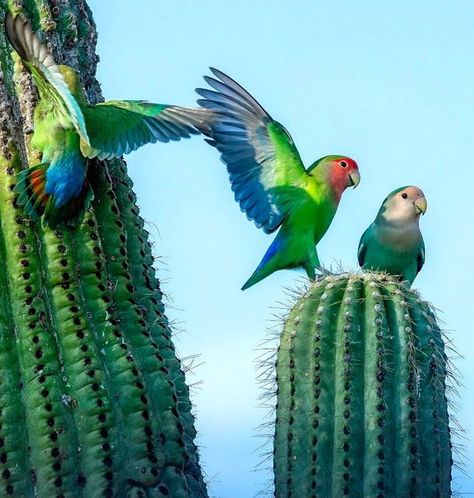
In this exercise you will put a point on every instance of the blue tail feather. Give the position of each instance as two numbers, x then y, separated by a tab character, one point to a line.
275	246
263	269
60	192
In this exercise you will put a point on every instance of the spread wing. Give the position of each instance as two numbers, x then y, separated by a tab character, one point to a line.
265	168
118	127
46	73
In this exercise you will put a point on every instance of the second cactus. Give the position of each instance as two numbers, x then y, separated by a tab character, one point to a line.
361	405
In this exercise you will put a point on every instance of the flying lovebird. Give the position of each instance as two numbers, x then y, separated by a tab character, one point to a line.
68	131
393	242
269	180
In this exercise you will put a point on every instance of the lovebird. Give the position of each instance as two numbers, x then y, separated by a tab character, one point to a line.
393	242
68	131
269	180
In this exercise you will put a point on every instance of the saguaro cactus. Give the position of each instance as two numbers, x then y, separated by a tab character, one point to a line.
93	400
361	404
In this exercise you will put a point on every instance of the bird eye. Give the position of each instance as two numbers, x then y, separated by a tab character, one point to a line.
404	195
343	164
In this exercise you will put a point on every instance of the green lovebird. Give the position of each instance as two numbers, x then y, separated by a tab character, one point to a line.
68	131
393	242
269	179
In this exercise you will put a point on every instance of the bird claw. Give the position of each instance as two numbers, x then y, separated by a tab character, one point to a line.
28	130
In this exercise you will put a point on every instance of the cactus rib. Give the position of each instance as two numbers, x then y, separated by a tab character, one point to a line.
103	408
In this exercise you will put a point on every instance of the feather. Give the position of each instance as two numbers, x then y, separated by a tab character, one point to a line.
45	71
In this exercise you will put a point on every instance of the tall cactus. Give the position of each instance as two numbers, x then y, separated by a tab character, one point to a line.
361	404
93	400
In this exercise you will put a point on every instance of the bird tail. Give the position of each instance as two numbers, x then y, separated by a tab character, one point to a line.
268	264
36	202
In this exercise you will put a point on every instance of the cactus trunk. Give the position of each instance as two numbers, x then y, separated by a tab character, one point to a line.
93	400
361	404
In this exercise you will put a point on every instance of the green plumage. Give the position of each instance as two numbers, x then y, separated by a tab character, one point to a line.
68	131
269	179
311	208
393	242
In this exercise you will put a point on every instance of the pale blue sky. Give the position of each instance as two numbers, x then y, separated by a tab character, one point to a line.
389	83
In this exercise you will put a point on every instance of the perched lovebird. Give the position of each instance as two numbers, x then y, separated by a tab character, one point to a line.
269	179
393	242
68	131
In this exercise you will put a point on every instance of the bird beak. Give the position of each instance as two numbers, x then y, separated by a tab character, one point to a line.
354	178
420	205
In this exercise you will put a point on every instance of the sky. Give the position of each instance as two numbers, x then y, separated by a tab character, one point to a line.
390	84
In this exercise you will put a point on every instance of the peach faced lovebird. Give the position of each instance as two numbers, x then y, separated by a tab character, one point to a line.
269	179
68	131
393	242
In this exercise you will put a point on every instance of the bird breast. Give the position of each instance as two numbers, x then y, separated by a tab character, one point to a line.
401	237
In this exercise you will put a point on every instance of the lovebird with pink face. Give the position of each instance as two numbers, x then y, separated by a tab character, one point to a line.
269	180
393	242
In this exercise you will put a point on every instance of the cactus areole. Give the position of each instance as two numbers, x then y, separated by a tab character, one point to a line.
361	404
93	400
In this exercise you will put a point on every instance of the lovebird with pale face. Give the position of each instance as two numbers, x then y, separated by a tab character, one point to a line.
68	131
393	242
269	179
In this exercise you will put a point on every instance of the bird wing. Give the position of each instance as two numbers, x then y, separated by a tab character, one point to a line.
420	260
44	70
265	168
118	127
362	250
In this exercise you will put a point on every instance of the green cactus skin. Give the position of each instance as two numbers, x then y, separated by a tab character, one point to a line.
93	400
361	405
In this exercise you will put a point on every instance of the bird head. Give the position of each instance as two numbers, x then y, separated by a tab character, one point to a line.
340	172
404	205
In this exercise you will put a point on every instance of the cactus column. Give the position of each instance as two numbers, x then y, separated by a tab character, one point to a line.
361	404
93	401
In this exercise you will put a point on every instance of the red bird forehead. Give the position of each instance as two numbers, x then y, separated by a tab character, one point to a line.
351	164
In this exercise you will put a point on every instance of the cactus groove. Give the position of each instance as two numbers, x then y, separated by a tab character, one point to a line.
361	404
93	400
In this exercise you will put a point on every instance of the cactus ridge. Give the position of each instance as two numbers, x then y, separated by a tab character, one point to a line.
94	400
361	407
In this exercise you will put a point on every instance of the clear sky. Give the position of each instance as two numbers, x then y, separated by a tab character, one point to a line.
389	83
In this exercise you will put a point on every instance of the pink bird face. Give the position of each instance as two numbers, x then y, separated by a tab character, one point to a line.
344	173
406	204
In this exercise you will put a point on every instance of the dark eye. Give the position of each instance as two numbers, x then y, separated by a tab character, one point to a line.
343	164
405	196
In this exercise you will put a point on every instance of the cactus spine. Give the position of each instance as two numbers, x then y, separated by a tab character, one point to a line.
93	400
361	405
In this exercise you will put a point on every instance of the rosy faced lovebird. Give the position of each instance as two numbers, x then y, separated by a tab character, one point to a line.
269	179
393	242
68	131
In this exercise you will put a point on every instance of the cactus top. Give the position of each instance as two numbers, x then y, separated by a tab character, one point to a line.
361	395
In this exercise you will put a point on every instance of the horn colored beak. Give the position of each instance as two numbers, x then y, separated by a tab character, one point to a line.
420	205
354	178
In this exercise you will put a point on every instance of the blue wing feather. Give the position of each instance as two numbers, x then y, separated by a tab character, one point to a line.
240	133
